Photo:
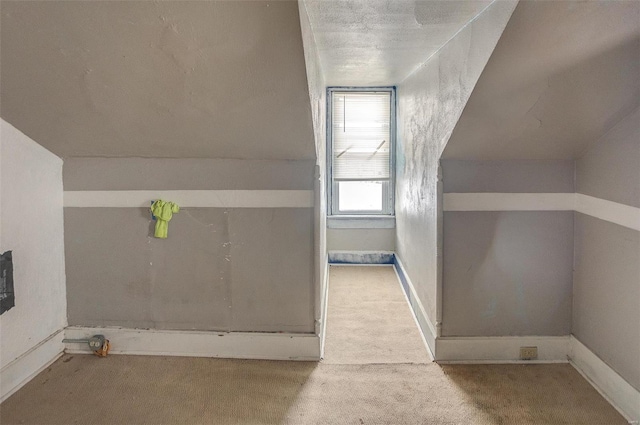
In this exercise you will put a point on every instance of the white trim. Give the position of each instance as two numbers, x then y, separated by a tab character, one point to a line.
415	318
614	388
388	200
238	345
508	201
191	198
614	212
501	349
325	309
21	370
361	222
425	326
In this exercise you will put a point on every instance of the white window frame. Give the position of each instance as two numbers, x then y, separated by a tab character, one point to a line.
388	188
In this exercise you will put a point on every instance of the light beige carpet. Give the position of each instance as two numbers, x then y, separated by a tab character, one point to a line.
369	320
179	390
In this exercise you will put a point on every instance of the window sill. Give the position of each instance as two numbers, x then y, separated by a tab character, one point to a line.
361	222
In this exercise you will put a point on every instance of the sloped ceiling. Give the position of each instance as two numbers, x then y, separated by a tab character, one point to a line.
206	79
381	42
563	74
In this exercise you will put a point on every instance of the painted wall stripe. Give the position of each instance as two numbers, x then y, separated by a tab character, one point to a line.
614	212
509	201
621	214
191	198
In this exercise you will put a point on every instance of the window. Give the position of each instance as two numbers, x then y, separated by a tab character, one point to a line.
361	145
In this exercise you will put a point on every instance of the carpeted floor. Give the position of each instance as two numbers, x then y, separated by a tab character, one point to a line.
369	320
391	384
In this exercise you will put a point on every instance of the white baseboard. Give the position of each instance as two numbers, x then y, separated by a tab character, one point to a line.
239	345
424	324
325	307
551	349
613	387
21	370
501	349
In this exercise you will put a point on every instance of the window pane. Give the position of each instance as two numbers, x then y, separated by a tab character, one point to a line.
361	131
360	196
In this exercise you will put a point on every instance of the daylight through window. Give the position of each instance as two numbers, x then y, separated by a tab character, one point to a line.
361	151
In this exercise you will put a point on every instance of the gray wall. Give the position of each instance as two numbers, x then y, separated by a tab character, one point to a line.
194	174
611	168
171	79
430	101
361	239
606	286
524	176
567	97
606	293
232	269
561	75
507	272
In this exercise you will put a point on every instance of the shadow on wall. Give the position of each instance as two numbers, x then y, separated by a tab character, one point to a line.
507	273
478	251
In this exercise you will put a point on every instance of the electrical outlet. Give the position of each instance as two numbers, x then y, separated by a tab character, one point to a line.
528	353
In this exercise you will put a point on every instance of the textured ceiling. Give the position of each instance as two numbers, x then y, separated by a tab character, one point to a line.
207	79
381	42
563	74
